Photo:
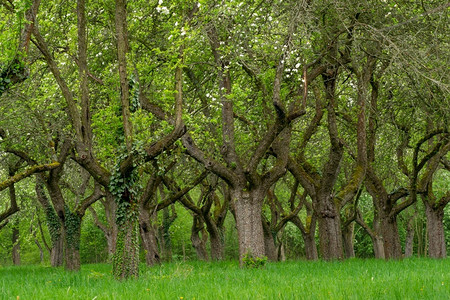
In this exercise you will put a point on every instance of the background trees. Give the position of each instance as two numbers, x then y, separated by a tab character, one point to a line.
290	114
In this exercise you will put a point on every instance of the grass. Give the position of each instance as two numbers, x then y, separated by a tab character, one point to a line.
352	279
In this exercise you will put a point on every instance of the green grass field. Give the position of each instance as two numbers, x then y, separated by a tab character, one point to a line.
352	279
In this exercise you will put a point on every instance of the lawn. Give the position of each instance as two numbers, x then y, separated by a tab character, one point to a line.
351	279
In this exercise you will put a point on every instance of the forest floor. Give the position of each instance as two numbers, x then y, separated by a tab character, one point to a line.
350	279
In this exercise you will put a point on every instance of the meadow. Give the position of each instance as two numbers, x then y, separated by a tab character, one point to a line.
350	279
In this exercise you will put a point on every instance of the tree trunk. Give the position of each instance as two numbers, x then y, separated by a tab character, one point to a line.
347	235
149	242
409	242
269	243
72	234
378	246
435	231
16	245
310	247
111	232
308	233
199	243
126	257
281	255
57	250
330	233
217	244
248	208
166	240
391	238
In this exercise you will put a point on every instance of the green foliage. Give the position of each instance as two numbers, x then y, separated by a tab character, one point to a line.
254	262
53	224
126	258
93	245
125	187
72	225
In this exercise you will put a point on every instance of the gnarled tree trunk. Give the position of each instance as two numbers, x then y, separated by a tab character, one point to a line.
330	234
217	243
199	242
57	249
126	257
435	231
248	208
269	243
148	236
72	228
391	238
347	235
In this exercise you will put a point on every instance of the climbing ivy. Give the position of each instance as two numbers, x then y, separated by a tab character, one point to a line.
12	73
53	223
72	224
134	94
125	189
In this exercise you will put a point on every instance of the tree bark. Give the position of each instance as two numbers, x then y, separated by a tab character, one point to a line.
16	245
217	244
148	236
409	241
126	257
310	247
435	231
72	235
391	238
269	243
308	232
199	243
348	236
57	250
330	238
248	208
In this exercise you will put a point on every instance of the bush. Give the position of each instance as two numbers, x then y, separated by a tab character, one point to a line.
253	262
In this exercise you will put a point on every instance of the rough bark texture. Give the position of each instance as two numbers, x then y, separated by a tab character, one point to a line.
435	231
217	245
199	238
310	247
347	235
148	236
126	257
378	246
330	237
57	250
248	206
72	259
269	243
72	228
391	238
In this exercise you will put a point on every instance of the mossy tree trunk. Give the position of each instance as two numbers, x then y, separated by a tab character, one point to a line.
348	237
435	229
126	256
72	229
